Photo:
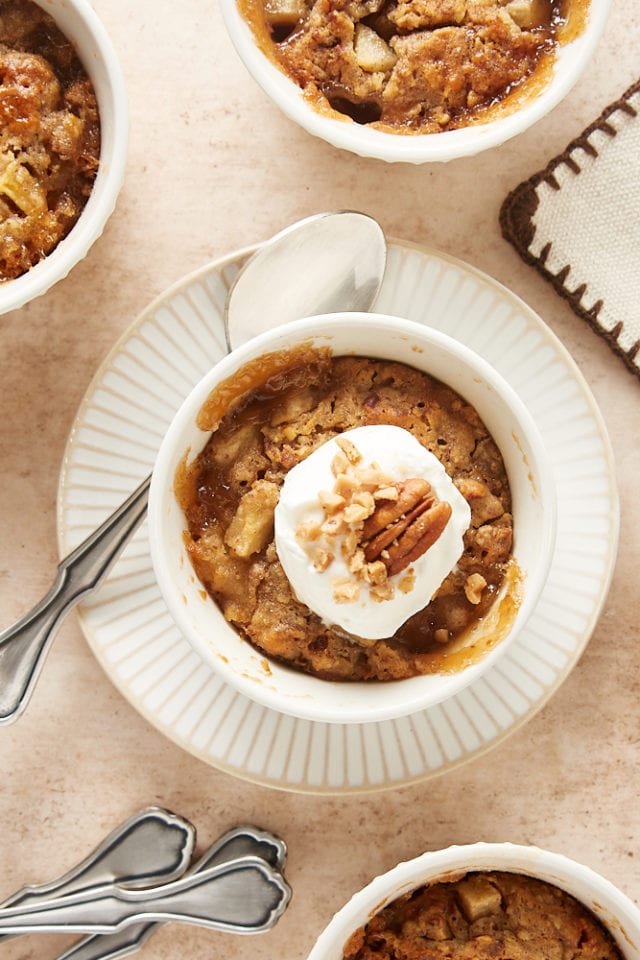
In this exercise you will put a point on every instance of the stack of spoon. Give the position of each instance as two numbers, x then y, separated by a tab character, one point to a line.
142	875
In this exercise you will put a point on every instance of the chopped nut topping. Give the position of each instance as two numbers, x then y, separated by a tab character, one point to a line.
349	449
473	587
355	512
345	590
332	526
365	499
339	464
385	526
322	560
345	486
386	493
350	543
309	530
383	591
374	479
375	573
408	582
330	501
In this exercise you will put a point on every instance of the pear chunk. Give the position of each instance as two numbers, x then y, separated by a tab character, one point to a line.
373	54
285	13
528	14
478	898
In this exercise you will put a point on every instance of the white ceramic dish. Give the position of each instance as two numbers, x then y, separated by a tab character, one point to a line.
200	619
570	63
112	446
615	910
82	27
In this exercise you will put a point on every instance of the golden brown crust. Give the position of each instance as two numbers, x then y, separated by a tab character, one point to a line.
410	65
493	915
49	137
271	431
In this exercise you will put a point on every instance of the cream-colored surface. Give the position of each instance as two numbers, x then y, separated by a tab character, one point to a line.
214	167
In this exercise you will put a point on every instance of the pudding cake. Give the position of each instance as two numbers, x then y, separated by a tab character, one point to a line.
350	516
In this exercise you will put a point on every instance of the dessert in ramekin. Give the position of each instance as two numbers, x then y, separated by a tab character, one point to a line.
476	905
63	148
415	81
491	421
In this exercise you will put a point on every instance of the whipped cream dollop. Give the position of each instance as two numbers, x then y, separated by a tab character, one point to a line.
316	546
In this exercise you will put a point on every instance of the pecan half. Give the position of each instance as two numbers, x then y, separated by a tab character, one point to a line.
419	536
392	517
399	531
410	494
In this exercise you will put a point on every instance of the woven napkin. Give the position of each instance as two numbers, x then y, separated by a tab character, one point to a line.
578	223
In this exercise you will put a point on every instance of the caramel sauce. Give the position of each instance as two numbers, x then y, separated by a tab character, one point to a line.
567	21
493	626
574	20
263	379
210	491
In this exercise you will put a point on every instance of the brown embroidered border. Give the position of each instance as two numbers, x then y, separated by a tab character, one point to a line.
516	223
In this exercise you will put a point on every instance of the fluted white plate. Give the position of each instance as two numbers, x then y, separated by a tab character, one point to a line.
112	447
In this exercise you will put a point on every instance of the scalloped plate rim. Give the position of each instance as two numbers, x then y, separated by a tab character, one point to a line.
233	258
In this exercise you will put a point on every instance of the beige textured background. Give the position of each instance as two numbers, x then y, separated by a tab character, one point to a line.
213	167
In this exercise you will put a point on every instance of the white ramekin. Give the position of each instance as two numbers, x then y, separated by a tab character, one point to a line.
77	20
616	911
571	60
534	509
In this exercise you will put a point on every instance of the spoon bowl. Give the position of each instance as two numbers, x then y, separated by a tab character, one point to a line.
328	263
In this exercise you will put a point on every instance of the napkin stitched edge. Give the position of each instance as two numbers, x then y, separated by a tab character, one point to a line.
516	223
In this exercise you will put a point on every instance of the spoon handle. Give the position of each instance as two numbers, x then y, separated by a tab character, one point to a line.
152	846
243	896
24	646
244	841
239	842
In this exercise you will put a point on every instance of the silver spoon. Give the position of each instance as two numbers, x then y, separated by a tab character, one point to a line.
151	847
245	895
241	841
327	263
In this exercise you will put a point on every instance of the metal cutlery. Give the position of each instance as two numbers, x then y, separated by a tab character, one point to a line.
150	847
239	842
24	646
245	895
